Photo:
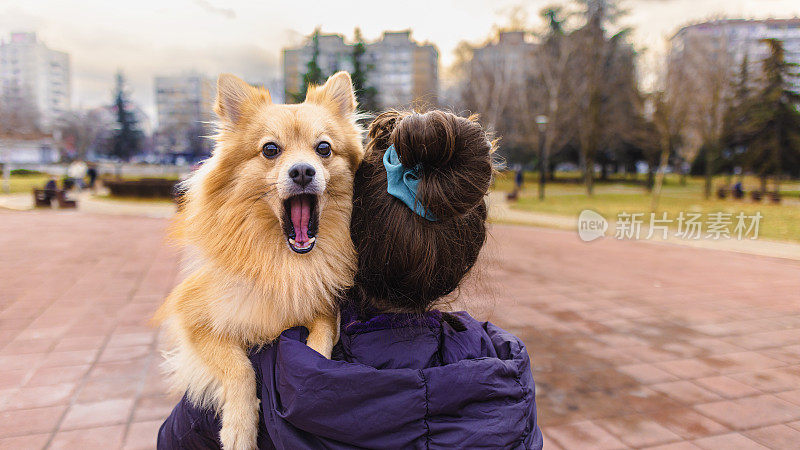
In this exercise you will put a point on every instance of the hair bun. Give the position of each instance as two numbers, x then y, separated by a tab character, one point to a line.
427	139
454	156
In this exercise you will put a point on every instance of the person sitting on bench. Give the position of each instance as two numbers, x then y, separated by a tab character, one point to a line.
50	189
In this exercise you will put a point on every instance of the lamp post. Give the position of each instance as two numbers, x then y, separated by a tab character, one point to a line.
6	168
541	122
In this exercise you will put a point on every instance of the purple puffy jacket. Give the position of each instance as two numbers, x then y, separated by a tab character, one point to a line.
395	381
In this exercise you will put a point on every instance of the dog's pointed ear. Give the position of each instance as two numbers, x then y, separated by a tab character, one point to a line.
337	92
232	94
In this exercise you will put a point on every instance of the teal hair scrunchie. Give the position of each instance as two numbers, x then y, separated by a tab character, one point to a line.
402	183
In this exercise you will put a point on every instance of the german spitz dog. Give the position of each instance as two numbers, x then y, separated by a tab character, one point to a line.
265	228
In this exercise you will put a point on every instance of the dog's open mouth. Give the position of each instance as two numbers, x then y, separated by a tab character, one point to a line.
300	222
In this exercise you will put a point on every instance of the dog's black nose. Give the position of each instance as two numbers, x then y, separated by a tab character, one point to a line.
302	174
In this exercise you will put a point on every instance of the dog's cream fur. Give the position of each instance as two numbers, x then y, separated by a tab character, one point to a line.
244	285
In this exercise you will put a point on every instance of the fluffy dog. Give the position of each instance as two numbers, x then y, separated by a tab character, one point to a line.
265	224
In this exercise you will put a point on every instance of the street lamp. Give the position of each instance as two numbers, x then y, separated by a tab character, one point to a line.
541	122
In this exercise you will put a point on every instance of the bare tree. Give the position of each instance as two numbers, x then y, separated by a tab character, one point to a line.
593	70
707	62
670	107
19	116
491	85
551	65
80	129
584	82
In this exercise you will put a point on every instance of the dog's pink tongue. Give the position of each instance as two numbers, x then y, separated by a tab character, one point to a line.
301	214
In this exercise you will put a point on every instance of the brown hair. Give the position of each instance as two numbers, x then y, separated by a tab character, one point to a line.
405	262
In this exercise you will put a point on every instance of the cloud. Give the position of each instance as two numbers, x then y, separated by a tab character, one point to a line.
93	73
213	9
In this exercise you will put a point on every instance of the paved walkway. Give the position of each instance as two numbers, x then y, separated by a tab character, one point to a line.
91	204
633	344
638	345
78	361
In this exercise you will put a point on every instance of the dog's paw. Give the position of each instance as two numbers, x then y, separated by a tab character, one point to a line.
239	437
239	427
321	343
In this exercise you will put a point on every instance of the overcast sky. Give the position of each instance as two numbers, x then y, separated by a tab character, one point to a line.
149	37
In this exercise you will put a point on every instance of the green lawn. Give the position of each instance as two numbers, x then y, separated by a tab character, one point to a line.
23	183
780	221
26	183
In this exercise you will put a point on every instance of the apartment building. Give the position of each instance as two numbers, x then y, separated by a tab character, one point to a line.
184	108
745	37
401	70
34	77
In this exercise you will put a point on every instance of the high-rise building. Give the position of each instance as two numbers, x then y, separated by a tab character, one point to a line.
510	57
334	55
184	109
34	77
401	70
744	37
183	100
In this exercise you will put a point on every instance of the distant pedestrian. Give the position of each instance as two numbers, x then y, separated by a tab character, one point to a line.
738	192
50	189
520	177
91	172
76	173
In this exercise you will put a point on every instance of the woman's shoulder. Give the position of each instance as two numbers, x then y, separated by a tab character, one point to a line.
480	338
396	395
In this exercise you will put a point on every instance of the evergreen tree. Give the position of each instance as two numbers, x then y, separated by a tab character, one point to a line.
127	140
594	66
555	22
313	75
365	94
735	120
773	121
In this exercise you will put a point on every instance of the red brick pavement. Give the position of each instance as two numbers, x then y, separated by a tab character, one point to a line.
638	344
633	344
78	361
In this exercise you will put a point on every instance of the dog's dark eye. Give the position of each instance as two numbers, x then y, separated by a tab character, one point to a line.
324	149
270	150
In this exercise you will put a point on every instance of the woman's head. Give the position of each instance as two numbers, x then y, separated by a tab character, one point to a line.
405	261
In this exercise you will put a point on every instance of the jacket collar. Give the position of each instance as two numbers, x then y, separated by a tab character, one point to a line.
391	340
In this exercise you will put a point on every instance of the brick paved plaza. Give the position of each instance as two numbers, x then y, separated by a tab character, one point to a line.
634	344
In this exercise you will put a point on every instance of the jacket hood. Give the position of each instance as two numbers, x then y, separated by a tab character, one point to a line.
397	381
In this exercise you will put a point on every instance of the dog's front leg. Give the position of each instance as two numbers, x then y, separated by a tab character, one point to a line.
323	333
238	402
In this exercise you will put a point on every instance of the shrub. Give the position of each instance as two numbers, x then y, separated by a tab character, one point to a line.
145	187
26	172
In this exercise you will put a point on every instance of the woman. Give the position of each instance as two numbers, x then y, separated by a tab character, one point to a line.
404	375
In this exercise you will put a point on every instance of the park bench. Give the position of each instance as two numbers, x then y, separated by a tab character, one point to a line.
774	197
724	191
43	198
63	201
